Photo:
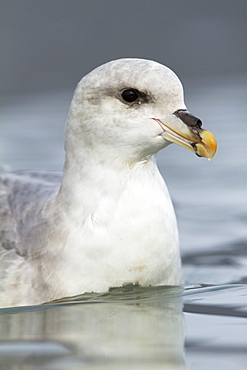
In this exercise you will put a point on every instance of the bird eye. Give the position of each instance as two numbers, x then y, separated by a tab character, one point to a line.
130	95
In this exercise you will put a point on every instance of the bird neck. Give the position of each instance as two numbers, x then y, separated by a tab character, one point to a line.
91	182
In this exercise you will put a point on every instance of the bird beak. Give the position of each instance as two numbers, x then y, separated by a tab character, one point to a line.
184	129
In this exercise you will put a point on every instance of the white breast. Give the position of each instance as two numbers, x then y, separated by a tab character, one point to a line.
130	237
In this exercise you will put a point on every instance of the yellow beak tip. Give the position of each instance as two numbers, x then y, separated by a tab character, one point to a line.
208	146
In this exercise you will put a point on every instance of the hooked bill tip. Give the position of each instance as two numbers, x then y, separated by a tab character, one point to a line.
208	145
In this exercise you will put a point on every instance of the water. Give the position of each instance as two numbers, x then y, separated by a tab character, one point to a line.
132	328
152	328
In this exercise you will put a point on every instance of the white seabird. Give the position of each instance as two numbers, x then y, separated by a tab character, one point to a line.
109	219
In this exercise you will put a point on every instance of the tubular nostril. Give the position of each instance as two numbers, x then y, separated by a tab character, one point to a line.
188	118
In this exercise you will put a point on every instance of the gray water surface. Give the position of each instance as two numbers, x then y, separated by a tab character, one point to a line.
132	327
199	328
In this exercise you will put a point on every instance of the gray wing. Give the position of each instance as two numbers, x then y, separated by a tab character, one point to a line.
22	195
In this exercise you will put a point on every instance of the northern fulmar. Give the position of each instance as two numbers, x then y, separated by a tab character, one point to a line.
108	219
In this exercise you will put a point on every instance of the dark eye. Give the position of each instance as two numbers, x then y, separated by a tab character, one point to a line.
130	95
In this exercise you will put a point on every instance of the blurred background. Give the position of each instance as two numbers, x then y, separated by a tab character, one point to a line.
47	46
51	44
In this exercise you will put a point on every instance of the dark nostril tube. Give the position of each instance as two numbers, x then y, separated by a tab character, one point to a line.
188	118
